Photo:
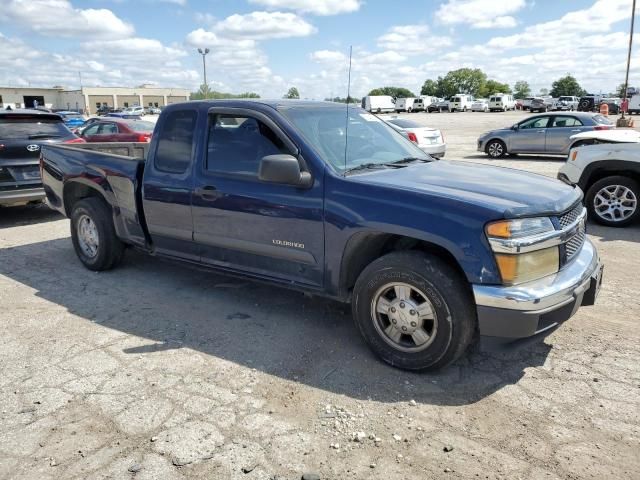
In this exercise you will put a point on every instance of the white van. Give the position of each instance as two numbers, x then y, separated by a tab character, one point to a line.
419	105
461	102
634	105
501	102
405	104
378	104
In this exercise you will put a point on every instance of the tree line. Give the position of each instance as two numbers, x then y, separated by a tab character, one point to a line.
475	82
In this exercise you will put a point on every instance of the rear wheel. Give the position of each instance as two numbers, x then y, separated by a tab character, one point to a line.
93	235
496	149
414	311
613	201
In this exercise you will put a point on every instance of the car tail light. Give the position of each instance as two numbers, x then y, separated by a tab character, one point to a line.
412	137
603	127
76	140
144	137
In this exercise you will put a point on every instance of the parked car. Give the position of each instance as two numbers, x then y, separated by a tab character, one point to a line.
480	105
634	104
151	110
538	104
566	103
501	102
379	104
404	104
440	106
526	103
460	102
589	103
418	105
548	134
104	109
110	129
429	253
429	140
610	177
71	119
22	134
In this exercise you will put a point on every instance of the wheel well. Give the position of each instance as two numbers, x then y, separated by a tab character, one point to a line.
74	192
603	173
362	249
486	145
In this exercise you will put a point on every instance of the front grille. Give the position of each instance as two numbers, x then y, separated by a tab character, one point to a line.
574	244
571	216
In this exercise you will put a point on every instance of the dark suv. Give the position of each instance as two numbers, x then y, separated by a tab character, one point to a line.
22	133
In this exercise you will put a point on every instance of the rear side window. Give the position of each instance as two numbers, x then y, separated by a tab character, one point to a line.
141	126
25	127
175	142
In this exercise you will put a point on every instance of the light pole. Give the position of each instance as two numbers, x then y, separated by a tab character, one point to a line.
204	66
623	122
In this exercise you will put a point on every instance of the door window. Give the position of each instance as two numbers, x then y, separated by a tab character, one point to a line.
92	130
566	122
237	144
108	129
175	142
539	122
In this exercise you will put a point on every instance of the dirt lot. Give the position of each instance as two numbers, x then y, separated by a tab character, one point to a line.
160	371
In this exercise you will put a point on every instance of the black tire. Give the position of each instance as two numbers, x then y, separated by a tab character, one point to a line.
445	289
496	149
109	249
590	200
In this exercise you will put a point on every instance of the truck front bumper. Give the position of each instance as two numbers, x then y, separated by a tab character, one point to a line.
533	308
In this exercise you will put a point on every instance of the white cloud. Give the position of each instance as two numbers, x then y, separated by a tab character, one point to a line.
328	56
480	13
412	40
59	18
316	7
264	25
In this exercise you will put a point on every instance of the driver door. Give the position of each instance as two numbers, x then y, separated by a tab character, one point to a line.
530	136
242	223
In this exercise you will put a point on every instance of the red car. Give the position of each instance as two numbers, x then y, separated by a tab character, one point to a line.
118	130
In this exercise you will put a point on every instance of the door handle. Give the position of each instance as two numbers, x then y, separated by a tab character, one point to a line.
541	131
576	130
207	192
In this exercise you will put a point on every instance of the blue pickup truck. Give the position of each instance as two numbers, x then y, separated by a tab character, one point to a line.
334	202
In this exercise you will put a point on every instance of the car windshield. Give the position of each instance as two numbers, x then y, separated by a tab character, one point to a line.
402	123
141	126
29	127
368	139
602	120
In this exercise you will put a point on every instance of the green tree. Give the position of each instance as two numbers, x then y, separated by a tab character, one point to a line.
342	100
395	92
466	80
292	93
543	92
566	85
521	89
491	87
429	87
204	92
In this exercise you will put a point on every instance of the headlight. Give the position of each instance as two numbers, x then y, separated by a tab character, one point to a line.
520	250
524	267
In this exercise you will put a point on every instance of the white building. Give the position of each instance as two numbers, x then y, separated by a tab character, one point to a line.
88	99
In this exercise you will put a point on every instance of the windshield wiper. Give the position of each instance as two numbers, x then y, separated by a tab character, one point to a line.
43	135
409	160
366	166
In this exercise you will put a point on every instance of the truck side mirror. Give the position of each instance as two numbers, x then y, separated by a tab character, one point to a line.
283	169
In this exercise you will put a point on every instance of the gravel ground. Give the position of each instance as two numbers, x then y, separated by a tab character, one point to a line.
162	371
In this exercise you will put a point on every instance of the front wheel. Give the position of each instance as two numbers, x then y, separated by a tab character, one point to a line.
496	149
613	201
93	235
414	311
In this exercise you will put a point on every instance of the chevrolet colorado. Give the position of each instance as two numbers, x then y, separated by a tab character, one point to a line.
332	201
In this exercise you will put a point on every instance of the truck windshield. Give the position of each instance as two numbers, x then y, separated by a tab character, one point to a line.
368	139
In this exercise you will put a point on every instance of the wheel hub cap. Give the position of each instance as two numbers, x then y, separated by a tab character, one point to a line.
404	317
615	203
88	236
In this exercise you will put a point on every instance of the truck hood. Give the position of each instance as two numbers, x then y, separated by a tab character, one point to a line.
511	193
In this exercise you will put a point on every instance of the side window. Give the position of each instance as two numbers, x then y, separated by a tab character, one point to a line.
540	122
108	129
237	144
175	142
566	122
92	130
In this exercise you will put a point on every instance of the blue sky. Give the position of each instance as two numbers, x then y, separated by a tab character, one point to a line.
267	46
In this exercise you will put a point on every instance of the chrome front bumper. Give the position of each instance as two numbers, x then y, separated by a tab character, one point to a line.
529	309
21	196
